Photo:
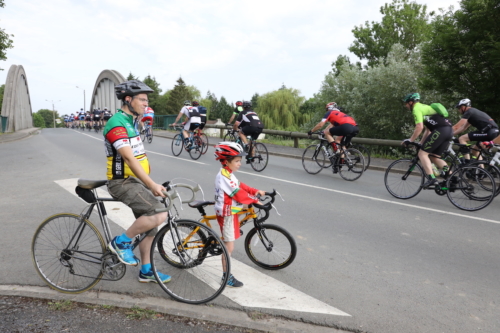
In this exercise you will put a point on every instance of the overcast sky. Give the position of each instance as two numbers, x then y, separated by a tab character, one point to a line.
232	48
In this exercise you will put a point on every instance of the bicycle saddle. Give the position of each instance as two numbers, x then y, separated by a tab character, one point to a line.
199	203
91	184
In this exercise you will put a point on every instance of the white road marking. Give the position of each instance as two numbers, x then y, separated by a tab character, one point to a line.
260	291
372	198
149	151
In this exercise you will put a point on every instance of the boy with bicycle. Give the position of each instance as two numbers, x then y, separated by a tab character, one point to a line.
230	196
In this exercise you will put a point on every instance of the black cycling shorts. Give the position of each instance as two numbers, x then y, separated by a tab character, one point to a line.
202	126
254	132
96	118
347	130
106	117
192	127
490	135
438	140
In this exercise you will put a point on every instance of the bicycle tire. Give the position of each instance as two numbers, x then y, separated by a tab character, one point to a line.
470	188
366	154
259	157
328	161
494	172
200	278
230	137
352	165
52	262
313	159
143	135
196	148
177	144
280	249
401	182
204	139
150	134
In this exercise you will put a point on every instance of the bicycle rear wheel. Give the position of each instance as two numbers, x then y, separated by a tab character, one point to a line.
313	159
196	148
69	268
404	179
351	166
177	145
366	154
230	137
276	249
204	139
195	257
259	157
150	134
470	188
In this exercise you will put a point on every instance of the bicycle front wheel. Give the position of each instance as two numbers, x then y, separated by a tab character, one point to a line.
230	137
177	145
352	165
259	157
273	249
404	179
313	159
195	258
204	139
150	134
470	188
196	149
143	135
67	253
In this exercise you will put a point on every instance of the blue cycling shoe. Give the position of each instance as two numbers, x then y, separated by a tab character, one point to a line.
150	277
124	252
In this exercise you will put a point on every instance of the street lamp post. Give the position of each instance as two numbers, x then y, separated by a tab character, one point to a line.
84	109
53	111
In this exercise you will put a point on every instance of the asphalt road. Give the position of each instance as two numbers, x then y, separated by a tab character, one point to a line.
394	266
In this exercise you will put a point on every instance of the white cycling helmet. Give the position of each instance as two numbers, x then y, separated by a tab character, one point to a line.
464	101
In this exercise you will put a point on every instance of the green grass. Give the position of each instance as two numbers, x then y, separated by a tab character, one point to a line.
137	313
61	306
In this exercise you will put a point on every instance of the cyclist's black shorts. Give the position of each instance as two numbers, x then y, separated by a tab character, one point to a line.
202	126
438	140
254	132
489	135
88	118
106	117
96	118
192	127
347	130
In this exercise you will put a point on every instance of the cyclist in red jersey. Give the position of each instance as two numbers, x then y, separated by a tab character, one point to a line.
340	125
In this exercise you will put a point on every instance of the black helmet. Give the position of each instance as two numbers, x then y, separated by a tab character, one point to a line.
247	104
131	88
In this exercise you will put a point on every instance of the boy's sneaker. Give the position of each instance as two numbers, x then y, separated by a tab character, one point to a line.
232	282
150	277
124	252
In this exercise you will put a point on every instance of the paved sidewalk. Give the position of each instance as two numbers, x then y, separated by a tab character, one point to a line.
19	135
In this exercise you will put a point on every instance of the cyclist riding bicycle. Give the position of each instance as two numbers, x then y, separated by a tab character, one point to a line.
106	115
486	127
230	196
148	116
249	123
436	138
192	123
129	181
340	125
203	114
96	116
236	112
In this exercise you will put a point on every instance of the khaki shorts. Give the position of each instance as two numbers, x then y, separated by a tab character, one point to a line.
132	192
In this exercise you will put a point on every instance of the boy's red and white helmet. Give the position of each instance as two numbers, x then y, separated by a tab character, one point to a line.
227	149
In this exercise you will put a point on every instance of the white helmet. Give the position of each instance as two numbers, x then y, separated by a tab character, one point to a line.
464	101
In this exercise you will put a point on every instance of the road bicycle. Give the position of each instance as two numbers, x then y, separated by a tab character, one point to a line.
147	132
203	137
467	186
70	254
194	145
258	155
267	245
348	162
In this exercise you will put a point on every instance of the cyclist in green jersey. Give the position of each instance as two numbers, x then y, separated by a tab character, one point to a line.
129	182
435	140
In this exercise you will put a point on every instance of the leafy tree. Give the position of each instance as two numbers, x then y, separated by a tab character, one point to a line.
38	120
5	41
48	117
255	101
211	103
222	110
194	93
280	109
2	89
155	100
463	58
132	77
178	95
403	22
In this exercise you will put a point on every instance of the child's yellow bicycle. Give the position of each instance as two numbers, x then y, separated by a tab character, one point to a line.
267	245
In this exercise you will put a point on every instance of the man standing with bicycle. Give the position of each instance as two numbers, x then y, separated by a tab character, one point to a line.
250	125
192	123
129	182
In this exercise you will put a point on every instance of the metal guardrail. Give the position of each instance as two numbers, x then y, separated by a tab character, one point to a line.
299	135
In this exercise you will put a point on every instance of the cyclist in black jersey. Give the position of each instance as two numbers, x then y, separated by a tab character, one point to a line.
486	127
249	124
237	110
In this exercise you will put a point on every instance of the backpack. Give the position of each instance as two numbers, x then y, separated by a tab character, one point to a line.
440	109
202	110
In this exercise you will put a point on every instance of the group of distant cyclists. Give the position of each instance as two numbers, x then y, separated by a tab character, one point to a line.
87	119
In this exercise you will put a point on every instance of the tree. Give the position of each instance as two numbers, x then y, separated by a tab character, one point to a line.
222	110
178	95
2	89
5	41
463	58
132	77
280	109
403	22
155	100
38	120
48	117
255	101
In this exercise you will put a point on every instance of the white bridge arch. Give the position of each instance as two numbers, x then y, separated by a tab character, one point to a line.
16	105
103	95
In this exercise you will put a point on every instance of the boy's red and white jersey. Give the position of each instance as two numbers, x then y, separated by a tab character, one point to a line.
230	194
